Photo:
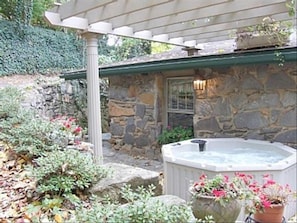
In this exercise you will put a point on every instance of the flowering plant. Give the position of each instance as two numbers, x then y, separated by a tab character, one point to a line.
69	126
267	194
222	188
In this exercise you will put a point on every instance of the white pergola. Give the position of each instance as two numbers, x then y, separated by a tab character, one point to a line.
180	22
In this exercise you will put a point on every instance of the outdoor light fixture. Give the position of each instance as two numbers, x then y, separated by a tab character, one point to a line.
199	84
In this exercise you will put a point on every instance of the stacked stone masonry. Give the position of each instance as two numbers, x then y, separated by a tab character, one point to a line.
254	101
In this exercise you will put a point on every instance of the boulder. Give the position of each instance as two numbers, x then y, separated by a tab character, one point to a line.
124	174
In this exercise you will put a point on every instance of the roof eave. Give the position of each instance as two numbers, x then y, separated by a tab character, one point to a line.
231	59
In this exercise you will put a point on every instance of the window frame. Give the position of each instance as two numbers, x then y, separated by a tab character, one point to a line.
180	111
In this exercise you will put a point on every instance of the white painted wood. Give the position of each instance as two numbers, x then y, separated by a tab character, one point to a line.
201	15
258	13
120	8
93	91
165	20
73	8
73	22
172	9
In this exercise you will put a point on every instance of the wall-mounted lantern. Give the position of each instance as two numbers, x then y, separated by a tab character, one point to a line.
199	84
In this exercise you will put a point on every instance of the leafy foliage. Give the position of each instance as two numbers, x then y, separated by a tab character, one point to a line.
28	12
129	48
52	51
140	209
65	171
175	134
222	188
49	50
25	132
34	136
10	100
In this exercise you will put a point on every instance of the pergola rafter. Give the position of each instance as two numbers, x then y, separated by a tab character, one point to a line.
183	22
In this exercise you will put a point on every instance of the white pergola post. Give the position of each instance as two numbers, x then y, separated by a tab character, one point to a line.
93	91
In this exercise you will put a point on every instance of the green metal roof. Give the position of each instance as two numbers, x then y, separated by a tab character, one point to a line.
223	60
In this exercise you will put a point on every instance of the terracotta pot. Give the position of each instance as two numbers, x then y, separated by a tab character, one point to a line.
274	214
203	206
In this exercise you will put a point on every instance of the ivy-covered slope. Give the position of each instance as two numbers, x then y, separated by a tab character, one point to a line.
29	50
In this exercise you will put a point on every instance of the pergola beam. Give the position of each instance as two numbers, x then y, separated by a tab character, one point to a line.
74	8
164	14
274	10
227	27
121	8
171	20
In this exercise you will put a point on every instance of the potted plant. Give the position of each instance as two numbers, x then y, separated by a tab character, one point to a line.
266	34
219	196
269	200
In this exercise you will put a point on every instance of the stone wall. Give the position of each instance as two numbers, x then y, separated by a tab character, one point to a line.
61	97
51	96
255	102
70	98
134	111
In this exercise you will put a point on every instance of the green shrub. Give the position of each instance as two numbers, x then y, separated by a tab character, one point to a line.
139	209
66	171
30	135
10	102
38	50
24	131
175	134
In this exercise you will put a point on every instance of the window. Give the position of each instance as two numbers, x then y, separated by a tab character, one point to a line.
180	102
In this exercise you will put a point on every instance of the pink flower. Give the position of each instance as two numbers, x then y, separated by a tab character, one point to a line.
202	177
67	125
266	204
219	193
71	119
77	130
226	178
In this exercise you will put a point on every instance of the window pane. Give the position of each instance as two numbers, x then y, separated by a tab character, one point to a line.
180	94
179	119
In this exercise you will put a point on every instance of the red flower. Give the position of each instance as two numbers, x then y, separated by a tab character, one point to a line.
266	203
77	130
202	177
226	178
71	119
67	125
219	193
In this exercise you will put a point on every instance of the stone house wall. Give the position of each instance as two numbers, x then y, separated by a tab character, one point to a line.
134	111
255	101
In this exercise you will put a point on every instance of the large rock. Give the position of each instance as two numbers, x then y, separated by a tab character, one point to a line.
124	174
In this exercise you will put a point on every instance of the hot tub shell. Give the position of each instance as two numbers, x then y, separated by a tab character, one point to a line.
179	172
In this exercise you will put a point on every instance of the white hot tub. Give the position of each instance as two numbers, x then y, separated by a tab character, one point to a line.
185	161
